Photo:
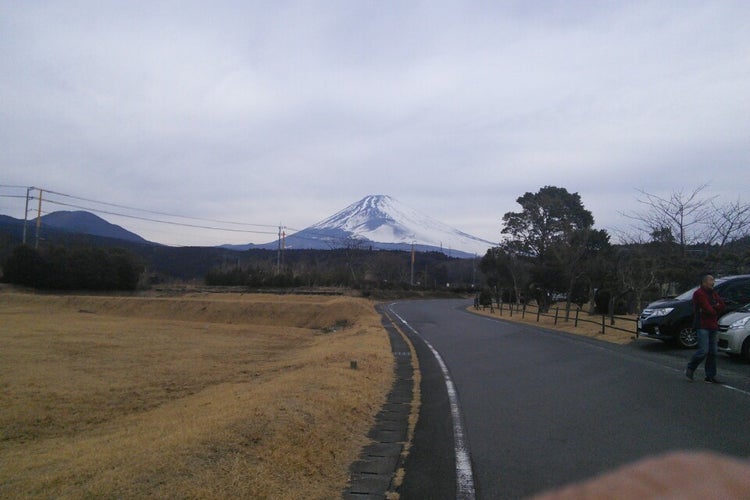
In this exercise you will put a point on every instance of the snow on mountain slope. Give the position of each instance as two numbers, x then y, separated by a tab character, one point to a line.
382	219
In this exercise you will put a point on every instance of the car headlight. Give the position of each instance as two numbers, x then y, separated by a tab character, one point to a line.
740	323
661	312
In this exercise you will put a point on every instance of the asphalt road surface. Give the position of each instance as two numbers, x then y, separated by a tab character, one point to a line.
540	409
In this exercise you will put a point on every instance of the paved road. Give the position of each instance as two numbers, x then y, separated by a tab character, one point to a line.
541	408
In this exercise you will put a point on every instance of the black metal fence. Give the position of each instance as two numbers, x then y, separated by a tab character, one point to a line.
604	320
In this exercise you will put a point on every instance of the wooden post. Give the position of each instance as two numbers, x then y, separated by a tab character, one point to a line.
557	311
576	323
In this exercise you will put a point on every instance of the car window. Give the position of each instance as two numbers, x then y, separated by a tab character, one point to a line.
687	295
737	292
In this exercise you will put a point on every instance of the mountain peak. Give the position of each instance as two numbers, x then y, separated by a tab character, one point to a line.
87	223
385	222
366	215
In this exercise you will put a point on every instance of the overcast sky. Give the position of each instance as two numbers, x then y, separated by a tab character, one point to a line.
278	112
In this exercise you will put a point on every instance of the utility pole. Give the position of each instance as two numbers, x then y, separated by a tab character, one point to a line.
38	219
278	253
26	213
281	248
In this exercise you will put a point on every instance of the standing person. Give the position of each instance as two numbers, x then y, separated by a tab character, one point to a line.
707	307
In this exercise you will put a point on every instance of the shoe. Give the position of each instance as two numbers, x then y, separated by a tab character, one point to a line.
713	380
689	374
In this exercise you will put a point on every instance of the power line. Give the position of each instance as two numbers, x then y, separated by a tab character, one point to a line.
46	198
182	224
155	212
43	192
9	186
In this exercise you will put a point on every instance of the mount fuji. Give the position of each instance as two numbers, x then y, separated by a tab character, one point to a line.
382	222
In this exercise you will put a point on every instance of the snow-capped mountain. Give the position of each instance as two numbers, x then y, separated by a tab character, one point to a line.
382	222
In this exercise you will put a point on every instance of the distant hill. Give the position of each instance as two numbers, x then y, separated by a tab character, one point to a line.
73	223
88	223
72	229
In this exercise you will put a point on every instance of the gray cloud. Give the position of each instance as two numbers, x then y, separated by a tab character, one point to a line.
288	111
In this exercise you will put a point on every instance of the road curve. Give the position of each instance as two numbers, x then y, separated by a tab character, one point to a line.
540	408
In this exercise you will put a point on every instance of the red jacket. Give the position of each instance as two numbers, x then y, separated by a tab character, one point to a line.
707	307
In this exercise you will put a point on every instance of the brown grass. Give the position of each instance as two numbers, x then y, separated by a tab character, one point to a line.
196	396
584	328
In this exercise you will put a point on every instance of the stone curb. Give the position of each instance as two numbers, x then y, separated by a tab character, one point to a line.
371	476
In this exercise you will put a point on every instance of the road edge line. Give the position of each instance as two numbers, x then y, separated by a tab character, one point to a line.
465	489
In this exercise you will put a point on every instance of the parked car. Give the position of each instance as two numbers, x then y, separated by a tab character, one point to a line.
734	333
671	320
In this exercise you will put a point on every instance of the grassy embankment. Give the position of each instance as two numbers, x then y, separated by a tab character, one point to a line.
194	396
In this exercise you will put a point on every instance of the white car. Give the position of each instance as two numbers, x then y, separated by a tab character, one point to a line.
734	333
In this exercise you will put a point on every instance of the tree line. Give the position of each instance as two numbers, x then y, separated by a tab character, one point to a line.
352	266
552	251
76	268
80	266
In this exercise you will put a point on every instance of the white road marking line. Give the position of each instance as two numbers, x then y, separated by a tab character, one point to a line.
732	388
464	473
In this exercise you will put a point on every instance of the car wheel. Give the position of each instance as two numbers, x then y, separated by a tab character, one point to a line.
746	349
687	337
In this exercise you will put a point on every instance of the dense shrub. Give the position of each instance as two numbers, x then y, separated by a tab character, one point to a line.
81	268
24	266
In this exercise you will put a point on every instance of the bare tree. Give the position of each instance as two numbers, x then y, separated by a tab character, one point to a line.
728	222
684	214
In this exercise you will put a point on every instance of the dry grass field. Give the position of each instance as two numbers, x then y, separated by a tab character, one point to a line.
196	396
